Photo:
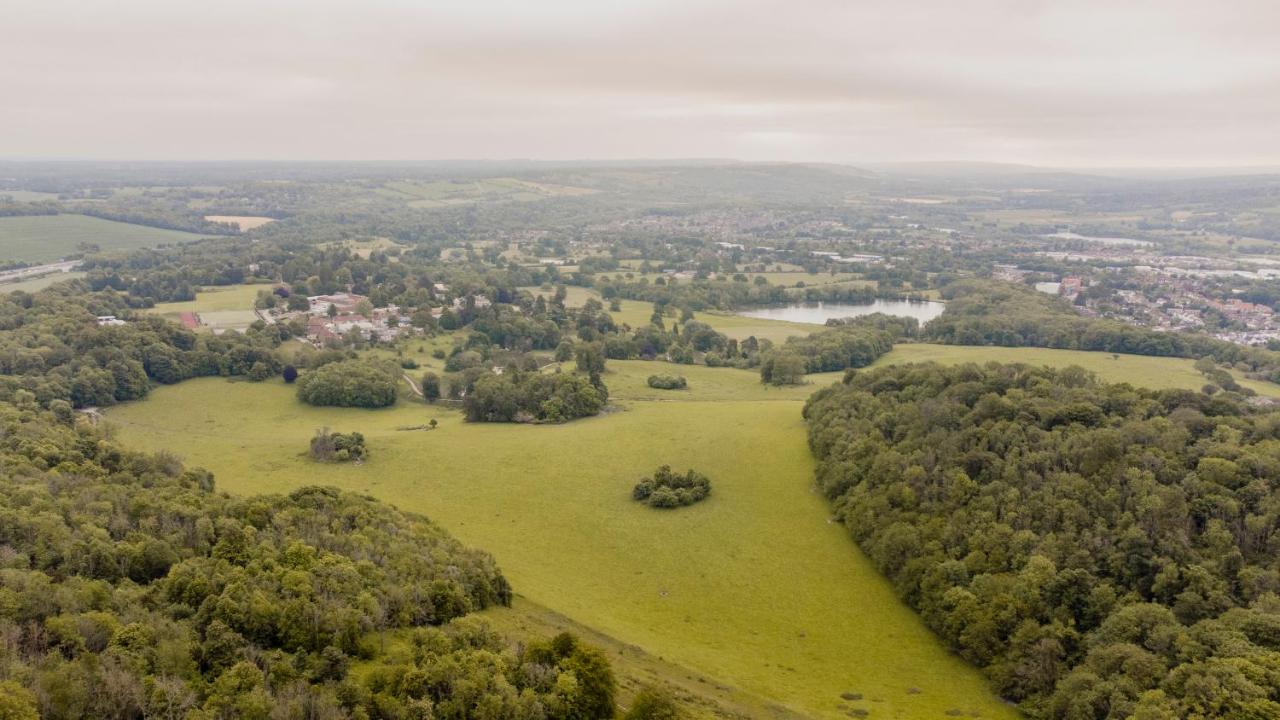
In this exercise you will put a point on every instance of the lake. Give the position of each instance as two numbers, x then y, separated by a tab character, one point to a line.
819	313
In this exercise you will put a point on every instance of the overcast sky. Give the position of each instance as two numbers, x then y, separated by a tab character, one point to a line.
1071	82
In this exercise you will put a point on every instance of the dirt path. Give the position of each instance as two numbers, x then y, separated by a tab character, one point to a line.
416	390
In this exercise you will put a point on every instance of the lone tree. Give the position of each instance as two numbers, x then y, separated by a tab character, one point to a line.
430	387
290	374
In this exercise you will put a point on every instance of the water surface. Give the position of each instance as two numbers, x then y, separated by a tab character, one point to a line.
820	312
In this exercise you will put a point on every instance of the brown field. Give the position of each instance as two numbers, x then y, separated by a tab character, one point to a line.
245	222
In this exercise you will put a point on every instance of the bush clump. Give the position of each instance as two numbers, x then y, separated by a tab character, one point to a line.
348	383
668	489
668	382
338	447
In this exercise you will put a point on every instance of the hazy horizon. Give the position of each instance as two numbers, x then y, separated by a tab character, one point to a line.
1082	85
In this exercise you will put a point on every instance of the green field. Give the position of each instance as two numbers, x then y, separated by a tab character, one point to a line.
40	283
45	238
215	299
754	587
1139	370
753	592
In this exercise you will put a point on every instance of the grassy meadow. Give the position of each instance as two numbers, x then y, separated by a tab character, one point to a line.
754	587
1140	370
45	238
751	604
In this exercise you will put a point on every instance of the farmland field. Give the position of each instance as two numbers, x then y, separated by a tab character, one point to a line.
244	222
45	238
754	587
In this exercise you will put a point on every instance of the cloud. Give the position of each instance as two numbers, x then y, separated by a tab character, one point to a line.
1089	83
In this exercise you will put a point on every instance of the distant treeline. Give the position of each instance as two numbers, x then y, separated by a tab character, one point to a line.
1101	551
984	312
53	349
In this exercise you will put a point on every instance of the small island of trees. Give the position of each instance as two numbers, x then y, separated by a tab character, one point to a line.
668	382
669	489
329	446
348	383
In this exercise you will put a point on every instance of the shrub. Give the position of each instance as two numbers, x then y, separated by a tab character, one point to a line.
350	383
409	364
667	382
667	489
290	374
653	703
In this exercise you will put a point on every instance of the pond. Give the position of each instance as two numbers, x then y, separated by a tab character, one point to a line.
819	313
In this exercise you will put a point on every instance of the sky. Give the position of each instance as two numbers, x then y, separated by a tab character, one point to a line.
1065	83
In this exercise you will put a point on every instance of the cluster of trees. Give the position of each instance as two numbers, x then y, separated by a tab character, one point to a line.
1102	551
669	489
527	397
850	343
991	313
327	446
349	383
52	347
668	382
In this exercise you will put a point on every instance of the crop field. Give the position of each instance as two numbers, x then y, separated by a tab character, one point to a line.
754	587
244	222
45	238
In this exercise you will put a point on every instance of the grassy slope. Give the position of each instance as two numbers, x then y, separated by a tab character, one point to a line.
45	238
1153	372
752	587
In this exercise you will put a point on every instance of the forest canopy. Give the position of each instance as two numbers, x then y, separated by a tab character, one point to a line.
1102	551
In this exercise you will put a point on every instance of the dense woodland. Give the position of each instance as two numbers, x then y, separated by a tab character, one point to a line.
1102	551
129	587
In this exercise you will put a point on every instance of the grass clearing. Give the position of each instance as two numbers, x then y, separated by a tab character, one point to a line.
753	587
1139	370
45	238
